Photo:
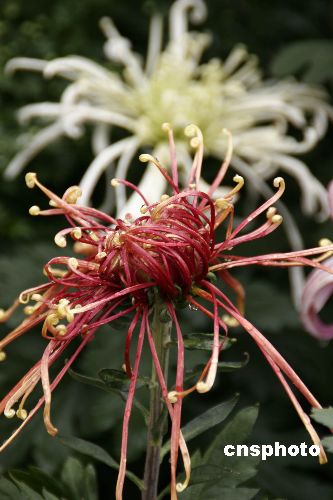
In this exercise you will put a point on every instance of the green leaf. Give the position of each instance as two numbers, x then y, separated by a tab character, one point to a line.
218	491
90	483
323	416
48	496
196	459
45	481
222	474
222	366
108	387
33	480
85	379
8	490
29	493
313	59
89	449
328	443
205	421
96	452
118	382
73	476
236	432
116	379
230	366
80	480
203	341
205	473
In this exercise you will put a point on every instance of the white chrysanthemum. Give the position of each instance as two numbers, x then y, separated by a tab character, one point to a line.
172	86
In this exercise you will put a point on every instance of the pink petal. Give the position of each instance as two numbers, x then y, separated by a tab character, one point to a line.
317	291
330	197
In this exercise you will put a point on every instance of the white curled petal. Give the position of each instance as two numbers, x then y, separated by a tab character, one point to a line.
38	143
152	185
268	107
73	93
154	43
100	138
118	49
25	64
122	170
234	59
73	66
245	73
45	110
320	122
98	166
314	199
76	115
178	16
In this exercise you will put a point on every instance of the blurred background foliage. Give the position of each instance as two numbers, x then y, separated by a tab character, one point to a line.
290	38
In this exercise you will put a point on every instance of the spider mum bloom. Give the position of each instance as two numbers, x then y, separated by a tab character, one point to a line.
168	86
170	251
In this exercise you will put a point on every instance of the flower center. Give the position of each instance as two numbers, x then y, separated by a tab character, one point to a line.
179	94
171	246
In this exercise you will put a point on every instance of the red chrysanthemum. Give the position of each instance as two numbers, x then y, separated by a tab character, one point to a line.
169	252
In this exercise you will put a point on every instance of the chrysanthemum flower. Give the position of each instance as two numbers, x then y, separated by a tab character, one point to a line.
170	254
173	86
318	290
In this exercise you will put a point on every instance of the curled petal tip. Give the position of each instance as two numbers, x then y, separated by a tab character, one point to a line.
144	158
166	127
21	413
172	397
72	194
34	210
53	431
202	387
60	241
279	182
180	487
30	179
9	413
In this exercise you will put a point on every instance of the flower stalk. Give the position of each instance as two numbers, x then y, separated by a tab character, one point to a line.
161	330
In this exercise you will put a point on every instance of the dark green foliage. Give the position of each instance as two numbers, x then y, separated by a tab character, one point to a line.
97	453
203	341
325	417
216	475
311	59
203	422
76	482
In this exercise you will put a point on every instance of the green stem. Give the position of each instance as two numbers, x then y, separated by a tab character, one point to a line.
157	411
